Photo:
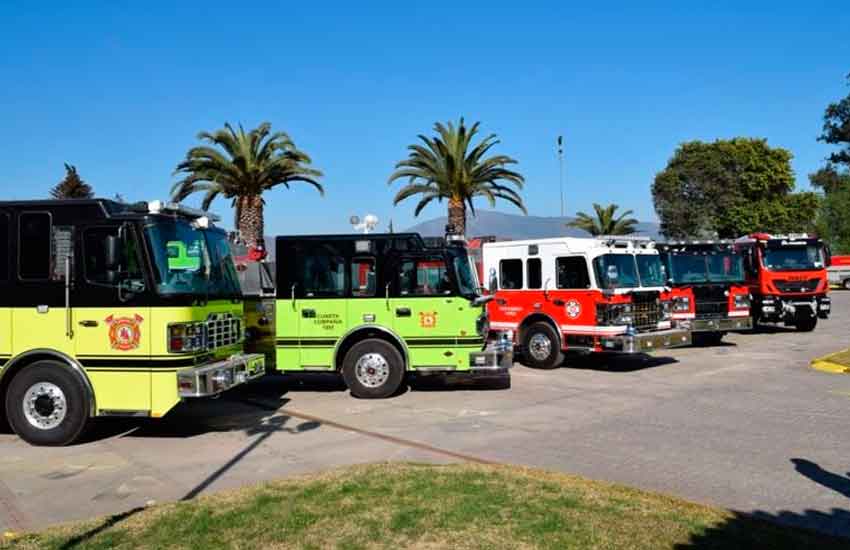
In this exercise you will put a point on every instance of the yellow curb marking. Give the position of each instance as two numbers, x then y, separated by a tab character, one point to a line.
825	364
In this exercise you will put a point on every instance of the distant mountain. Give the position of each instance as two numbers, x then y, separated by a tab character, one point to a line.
516	227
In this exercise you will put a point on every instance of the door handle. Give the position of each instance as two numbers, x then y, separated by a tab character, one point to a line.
88	324
402	312
308	313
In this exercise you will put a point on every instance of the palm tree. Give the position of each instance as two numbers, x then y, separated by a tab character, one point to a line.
605	222
241	166
71	186
447	166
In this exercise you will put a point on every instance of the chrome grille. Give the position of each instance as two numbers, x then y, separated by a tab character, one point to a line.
647	311
711	310
223	329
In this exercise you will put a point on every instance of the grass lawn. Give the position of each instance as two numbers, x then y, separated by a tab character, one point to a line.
428	507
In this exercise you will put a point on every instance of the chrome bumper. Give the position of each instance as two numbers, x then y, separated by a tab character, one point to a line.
724	324
214	378
498	355
647	341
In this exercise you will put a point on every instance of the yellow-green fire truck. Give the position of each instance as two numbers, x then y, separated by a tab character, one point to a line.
375	308
112	309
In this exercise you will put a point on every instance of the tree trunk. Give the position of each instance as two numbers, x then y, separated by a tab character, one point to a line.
250	210
457	217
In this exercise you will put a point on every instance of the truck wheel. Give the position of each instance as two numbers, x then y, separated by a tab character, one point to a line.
806	325
47	404
707	339
540	347
846	284
373	369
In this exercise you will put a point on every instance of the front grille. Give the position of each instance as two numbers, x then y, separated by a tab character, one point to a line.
711	301
647	311
784	285
711	310
223	329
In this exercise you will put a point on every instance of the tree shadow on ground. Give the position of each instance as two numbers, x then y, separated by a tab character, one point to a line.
785	529
616	363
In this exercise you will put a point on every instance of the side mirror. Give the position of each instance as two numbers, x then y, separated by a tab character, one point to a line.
494	283
113	253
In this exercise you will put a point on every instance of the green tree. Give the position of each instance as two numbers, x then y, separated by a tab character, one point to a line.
836	129
834	220
242	166
606	222
828	179
731	188
448	166
71	186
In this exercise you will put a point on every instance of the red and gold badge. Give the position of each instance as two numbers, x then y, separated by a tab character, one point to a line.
427	319
124	332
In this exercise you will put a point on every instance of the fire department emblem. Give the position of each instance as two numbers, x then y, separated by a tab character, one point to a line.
124	332
573	309
427	319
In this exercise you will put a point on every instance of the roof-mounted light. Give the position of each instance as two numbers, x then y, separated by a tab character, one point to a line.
167	207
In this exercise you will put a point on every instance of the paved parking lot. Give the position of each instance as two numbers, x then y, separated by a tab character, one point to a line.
747	425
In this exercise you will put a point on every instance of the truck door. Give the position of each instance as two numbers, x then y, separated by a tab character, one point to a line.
320	305
112	329
39	316
5	287
425	308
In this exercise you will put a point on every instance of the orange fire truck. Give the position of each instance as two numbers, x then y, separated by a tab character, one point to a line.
787	278
585	295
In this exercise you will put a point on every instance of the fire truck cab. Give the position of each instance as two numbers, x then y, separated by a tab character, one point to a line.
580	294
112	309
708	278
787	278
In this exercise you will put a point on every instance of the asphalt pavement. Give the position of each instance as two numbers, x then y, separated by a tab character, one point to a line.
747	425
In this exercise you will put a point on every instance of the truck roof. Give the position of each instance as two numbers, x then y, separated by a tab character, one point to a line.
109	208
581	244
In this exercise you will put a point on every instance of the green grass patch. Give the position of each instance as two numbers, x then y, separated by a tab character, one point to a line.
424	507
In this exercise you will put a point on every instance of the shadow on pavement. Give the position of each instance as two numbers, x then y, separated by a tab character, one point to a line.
758	529
616	362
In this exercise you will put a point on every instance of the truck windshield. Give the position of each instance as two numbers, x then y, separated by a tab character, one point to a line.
191	261
616	271
651	270
790	258
704	268
467	278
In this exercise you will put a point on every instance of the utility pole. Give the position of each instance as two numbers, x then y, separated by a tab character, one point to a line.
561	170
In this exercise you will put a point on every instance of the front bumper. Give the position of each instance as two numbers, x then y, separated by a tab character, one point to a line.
723	324
775	308
646	341
498	355
214	378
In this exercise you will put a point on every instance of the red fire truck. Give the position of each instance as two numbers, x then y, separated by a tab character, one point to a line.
584	295
708	278
787	278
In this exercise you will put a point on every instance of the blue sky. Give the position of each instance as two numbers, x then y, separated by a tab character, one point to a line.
121	89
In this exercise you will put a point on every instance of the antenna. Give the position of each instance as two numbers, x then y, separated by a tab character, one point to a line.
561	170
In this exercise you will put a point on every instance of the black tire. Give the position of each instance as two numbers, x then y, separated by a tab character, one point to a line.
846	284
387	371
708	339
807	324
76	404
534	347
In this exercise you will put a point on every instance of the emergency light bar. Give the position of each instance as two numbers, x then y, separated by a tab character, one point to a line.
167	207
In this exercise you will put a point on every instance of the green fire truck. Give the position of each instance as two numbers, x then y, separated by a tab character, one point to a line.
375	308
112	309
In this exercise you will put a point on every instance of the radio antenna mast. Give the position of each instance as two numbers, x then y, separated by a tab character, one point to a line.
561	170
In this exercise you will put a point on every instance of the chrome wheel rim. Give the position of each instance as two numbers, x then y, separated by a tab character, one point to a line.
45	405
540	347
372	370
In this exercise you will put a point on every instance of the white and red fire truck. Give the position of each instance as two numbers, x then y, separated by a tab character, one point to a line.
559	295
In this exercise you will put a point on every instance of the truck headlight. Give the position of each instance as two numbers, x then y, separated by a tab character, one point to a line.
682	304
666	310
742	301
482	324
186	337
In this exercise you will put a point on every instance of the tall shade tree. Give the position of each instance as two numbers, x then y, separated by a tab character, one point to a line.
836	129
72	186
241	166
606	221
449	166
